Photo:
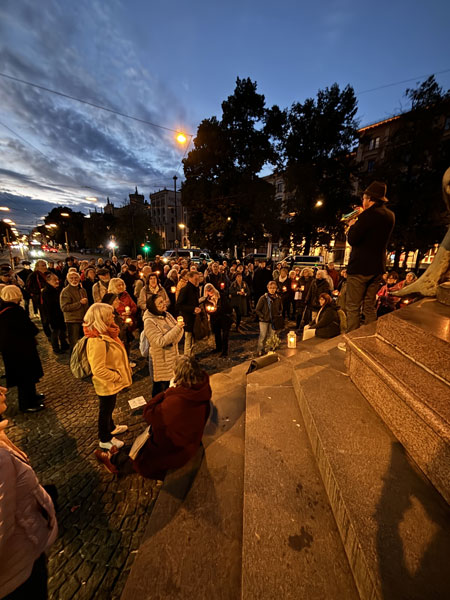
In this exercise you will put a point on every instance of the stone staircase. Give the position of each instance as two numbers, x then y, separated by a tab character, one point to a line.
310	486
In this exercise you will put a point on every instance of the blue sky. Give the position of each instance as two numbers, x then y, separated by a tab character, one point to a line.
173	64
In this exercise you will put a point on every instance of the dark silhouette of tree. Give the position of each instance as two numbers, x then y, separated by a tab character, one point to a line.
316	145
228	203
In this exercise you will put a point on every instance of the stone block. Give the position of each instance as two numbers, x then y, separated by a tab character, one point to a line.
394	525
422	331
413	403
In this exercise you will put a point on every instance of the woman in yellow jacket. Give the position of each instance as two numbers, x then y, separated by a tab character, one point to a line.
111	371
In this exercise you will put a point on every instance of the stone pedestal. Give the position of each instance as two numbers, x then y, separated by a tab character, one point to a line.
401	364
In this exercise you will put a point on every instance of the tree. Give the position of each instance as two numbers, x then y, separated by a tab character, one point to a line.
318	138
228	203
416	156
71	224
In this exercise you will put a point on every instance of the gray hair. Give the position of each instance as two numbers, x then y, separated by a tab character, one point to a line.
97	317
11	293
114	284
188	372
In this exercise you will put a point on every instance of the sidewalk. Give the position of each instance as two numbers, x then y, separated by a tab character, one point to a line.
101	518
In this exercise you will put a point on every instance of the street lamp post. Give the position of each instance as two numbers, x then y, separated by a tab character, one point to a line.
66	215
176	213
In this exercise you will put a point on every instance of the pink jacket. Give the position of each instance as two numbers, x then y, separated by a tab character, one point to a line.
27	517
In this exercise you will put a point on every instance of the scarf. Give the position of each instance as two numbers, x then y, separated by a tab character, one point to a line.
112	331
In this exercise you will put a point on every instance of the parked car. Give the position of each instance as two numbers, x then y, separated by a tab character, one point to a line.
303	260
250	258
194	254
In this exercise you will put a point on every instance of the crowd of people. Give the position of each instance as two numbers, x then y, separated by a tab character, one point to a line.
100	307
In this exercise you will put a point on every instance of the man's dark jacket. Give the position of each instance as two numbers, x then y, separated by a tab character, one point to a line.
186	304
51	306
368	238
260	280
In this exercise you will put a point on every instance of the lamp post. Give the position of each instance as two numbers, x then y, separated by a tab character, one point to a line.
67	216
176	213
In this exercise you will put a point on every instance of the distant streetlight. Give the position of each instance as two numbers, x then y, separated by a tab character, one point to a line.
319	203
182	226
64	214
181	138
5	208
9	221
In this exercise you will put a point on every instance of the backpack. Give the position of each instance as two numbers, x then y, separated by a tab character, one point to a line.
144	345
79	364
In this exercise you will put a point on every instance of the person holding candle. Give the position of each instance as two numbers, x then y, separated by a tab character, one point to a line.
152	286
28	524
170	285
163	332
239	294
219	310
126	308
284	290
51	306
216	278
144	274
188	306
100	288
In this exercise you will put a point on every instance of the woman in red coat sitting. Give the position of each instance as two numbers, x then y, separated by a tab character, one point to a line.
177	417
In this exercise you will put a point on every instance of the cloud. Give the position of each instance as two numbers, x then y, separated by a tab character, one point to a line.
62	147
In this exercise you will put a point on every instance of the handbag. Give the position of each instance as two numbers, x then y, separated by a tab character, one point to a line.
201	326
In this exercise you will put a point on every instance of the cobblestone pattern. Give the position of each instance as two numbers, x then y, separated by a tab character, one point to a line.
101	517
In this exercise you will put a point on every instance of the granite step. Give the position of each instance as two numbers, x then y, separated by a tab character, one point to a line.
193	544
291	547
394	525
422	331
413	403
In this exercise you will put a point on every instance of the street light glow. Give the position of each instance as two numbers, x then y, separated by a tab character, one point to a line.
65	215
181	225
319	203
5	208
181	138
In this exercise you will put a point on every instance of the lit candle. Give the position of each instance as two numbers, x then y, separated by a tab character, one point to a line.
406	301
294	285
141	274
210	308
292	339
242	291
284	288
222	285
128	320
173	289
302	288
180	319
158	273
127	309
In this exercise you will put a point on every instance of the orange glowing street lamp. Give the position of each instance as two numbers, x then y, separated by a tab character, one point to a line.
181	138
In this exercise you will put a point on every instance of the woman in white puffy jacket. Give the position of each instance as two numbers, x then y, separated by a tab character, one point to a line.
163	332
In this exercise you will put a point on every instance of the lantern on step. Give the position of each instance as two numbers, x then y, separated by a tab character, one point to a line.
292	339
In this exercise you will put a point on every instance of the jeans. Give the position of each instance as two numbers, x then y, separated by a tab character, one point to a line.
35	586
105	419
188	343
361	297
45	323
221	336
75	332
265	329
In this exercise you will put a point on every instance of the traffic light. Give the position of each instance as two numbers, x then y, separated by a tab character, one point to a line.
146	248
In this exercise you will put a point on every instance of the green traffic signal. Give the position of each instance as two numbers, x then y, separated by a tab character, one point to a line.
146	248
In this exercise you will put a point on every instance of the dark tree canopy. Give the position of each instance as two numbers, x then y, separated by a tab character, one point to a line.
228	203
317	144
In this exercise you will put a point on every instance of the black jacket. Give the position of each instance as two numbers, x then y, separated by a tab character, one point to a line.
328	324
260	280
186	304
18	345
51	307
369	238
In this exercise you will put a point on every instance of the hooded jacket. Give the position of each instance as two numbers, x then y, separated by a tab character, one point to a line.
178	417
163	335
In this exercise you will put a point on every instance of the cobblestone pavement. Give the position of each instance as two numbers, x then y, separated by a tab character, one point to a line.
101	517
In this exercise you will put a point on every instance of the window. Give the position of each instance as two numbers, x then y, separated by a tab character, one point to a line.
279	188
370	165
447	124
371	144
377	142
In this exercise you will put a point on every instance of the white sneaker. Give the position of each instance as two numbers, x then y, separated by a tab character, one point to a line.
119	429
113	442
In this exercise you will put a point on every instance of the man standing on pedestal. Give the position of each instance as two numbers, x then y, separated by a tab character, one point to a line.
368	235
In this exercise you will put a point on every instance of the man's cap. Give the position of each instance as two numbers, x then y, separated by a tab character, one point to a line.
103	271
132	268
26	262
377	191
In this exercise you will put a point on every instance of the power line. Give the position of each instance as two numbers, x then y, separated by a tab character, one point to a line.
99	106
381	87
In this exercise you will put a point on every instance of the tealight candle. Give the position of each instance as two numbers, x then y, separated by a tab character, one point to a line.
173	289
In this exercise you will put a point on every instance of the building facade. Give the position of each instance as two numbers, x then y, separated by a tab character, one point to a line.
170	226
